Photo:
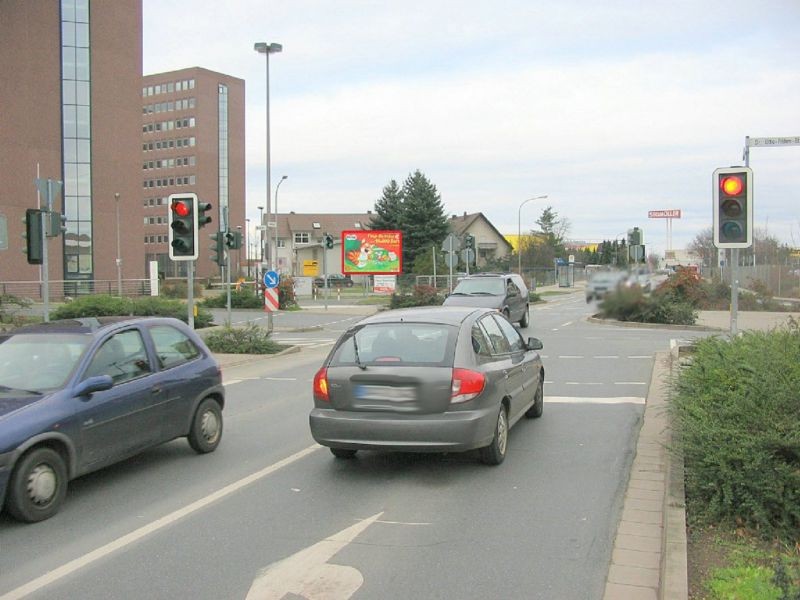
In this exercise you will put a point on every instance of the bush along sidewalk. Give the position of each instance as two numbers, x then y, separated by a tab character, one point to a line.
250	339
109	306
736	413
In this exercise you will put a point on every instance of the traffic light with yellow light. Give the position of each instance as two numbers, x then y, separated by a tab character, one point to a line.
733	207
183	226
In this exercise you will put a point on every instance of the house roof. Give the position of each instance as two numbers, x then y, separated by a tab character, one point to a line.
459	224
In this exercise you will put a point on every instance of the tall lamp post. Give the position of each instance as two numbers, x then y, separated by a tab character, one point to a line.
247	245
239	253
266	49
277	188
260	234
119	254
519	231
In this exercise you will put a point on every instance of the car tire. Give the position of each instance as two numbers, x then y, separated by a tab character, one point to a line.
38	486
206	431
495	453
343	453
536	409
525	320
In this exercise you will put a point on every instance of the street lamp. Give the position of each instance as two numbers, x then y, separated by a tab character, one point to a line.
260	234
247	245
267	49
119	255
277	188
239	254
519	231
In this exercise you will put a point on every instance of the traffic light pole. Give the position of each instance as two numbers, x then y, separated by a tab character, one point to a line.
190	292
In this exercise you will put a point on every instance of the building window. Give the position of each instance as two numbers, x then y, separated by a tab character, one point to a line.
301	238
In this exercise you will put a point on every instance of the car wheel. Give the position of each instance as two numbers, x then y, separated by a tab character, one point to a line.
495	453
343	452
535	411
38	486
525	320
206	431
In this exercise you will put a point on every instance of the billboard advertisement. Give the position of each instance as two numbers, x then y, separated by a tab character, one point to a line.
377	252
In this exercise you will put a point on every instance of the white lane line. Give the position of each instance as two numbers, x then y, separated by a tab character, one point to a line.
630	383
575	400
137	534
278	378
232	381
567	324
608	356
582	383
569	356
645	357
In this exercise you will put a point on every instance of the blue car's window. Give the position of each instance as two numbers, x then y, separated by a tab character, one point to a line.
430	344
122	356
173	347
39	362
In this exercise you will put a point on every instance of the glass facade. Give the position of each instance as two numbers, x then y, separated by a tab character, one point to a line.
76	138
222	92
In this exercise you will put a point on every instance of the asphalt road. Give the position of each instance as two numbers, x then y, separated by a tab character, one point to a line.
272	515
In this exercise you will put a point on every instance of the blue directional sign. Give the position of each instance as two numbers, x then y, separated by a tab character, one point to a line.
271	279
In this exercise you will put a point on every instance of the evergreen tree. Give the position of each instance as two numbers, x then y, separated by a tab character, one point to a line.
388	208
423	221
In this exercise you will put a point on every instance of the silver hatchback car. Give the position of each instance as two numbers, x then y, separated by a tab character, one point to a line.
429	379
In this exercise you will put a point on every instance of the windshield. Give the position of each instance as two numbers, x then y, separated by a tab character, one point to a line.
429	344
36	362
482	285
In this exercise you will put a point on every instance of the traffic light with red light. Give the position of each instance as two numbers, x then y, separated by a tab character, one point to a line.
733	207
183	226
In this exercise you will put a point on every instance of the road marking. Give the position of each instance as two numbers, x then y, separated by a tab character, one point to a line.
567	324
630	383
137	534
575	400
569	356
645	357
278	378
308	574
582	383
232	381
608	356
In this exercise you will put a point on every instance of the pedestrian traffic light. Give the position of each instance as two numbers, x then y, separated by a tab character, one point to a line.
183	226
218	248
202	218
328	241
34	236
733	207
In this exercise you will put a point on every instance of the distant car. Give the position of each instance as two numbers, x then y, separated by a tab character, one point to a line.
507	294
334	280
427	379
642	278
79	395
603	283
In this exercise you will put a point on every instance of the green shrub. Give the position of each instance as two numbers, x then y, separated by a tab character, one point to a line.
737	419
286	297
631	304
244	298
744	583
250	339
534	297
9	305
421	295
109	306
177	288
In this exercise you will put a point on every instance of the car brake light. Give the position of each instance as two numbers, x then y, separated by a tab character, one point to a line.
321	385
466	385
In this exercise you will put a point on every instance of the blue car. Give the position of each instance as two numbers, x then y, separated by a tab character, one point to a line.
79	395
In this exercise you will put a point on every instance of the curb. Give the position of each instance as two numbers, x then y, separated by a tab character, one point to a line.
234	360
599	320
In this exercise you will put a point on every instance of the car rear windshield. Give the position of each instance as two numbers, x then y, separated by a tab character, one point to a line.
402	344
482	285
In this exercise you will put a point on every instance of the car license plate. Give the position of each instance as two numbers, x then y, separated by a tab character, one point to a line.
386	392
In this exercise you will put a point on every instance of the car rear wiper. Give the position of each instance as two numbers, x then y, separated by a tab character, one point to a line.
358	359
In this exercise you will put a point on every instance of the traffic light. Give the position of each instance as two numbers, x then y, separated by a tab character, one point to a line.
183	226
233	240
218	248
469	242
733	207
635	237
34	236
328	241
202	218
56	224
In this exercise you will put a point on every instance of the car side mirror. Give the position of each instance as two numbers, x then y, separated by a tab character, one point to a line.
91	385
535	343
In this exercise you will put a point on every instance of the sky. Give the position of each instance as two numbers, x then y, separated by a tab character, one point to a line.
610	109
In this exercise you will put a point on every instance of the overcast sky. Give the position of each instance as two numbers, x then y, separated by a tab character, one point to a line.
610	108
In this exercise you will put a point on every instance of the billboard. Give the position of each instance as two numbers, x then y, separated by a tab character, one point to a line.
674	213
377	252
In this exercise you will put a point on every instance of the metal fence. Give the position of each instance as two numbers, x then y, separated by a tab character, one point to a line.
534	278
782	281
61	289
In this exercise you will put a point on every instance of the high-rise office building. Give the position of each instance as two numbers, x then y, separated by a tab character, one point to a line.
193	141
70	83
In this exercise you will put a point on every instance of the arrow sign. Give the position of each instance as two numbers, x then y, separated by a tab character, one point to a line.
271	279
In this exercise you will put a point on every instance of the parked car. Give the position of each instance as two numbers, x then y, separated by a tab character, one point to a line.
507	294
79	395
334	280
603	283
427	379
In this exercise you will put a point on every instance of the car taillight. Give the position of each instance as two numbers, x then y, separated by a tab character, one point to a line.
466	385
321	385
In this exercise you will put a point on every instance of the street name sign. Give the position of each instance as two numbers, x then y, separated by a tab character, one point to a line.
774	141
